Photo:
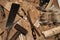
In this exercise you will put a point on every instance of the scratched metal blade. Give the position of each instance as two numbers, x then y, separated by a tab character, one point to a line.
13	11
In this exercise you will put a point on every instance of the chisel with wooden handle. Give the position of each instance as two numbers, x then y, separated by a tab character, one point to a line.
12	14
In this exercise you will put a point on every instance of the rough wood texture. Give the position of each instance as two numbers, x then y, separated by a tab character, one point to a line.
51	32
34	14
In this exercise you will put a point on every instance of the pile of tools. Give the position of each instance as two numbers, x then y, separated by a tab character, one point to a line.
22	23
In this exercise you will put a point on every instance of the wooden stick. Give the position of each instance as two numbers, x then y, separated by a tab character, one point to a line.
15	36
55	2
21	37
49	5
51	32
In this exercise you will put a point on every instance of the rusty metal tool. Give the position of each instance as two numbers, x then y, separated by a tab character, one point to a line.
12	14
13	11
20	30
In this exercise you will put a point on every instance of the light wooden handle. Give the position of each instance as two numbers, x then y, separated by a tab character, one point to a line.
51	32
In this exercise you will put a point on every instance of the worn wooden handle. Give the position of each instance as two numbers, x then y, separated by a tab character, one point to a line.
51	32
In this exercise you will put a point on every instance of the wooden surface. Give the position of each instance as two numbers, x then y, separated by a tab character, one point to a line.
34	14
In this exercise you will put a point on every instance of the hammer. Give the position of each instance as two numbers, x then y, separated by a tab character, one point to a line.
20	30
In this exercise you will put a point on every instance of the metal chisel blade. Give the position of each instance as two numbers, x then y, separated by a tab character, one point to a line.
13	11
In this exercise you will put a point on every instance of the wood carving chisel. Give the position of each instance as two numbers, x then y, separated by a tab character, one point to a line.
12	14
